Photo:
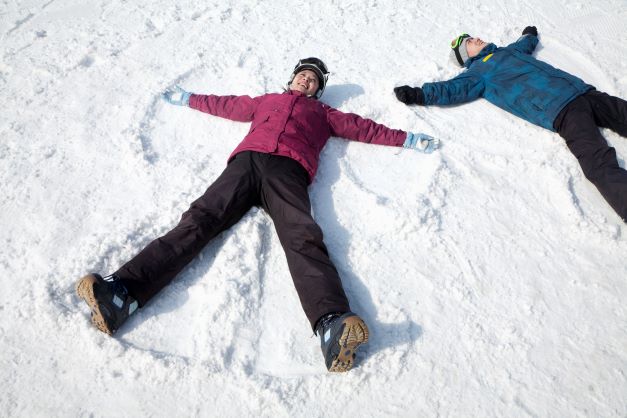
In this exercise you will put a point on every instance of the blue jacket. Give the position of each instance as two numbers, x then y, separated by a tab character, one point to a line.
513	80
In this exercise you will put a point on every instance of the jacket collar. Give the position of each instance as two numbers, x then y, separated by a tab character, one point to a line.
298	93
489	48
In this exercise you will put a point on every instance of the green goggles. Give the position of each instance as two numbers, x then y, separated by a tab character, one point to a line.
455	43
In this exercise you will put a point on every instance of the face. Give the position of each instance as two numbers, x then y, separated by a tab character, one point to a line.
474	46
306	82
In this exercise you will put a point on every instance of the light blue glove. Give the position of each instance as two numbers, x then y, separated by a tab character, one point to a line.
421	142
177	96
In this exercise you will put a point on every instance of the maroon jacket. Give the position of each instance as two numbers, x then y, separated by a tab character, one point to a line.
293	125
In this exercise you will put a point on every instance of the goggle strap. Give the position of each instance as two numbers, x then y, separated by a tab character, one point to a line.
459	57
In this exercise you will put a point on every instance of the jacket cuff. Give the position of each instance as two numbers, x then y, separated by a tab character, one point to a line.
409	139
192	101
420	97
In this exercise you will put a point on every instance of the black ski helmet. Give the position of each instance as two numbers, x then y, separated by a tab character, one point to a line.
317	66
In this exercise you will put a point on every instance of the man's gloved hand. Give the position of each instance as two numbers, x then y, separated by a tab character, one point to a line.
530	30
421	142
410	95
177	96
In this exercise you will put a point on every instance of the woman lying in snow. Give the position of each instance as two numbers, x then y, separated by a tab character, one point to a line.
271	168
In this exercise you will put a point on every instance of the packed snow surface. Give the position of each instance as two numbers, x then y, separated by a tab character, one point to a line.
492	274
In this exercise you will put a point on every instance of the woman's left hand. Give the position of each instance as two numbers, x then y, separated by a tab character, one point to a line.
421	142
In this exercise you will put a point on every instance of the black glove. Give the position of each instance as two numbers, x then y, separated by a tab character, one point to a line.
530	30
410	95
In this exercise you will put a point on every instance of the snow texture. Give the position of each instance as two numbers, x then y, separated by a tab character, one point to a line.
493	276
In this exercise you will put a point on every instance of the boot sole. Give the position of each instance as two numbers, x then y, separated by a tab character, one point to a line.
355	333
85	290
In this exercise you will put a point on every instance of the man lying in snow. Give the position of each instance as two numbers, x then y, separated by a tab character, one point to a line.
515	81
271	168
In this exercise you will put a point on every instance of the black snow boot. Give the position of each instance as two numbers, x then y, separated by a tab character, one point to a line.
340	336
109	301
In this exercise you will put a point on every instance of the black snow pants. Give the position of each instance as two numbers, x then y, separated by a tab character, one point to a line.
278	185
578	124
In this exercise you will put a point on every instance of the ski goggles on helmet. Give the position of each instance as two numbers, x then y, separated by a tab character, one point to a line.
317	66
455	43
460	55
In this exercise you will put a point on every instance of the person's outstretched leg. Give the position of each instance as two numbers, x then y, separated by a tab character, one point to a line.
284	196
221	206
577	125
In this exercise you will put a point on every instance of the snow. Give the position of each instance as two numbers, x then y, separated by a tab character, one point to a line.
492	275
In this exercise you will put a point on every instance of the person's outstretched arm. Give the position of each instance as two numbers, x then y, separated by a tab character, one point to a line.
238	108
464	88
356	128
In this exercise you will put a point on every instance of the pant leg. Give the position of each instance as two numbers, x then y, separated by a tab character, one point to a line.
221	206
285	197
609	111
578	126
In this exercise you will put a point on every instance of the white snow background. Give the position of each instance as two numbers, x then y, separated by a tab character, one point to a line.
493	276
